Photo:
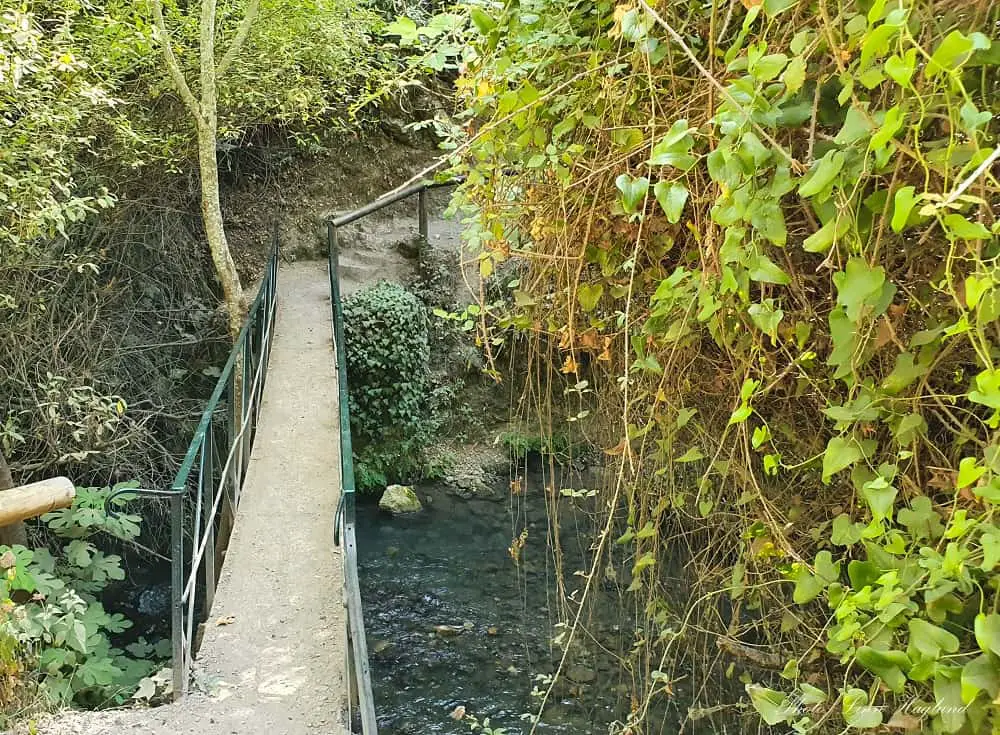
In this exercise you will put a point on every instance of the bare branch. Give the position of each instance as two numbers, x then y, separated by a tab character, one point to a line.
173	66
984	166
240	40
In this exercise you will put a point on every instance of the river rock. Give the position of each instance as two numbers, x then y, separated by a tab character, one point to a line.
399	499
581	674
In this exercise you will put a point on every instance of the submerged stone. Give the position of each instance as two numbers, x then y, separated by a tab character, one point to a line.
399	499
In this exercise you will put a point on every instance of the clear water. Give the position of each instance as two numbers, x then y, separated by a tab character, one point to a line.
449	566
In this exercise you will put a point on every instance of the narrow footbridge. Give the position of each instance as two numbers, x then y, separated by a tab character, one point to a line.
273	640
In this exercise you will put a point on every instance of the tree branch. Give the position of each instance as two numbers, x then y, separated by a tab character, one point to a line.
207	46
173	66
242	33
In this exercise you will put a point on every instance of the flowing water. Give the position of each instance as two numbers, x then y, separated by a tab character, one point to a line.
452	620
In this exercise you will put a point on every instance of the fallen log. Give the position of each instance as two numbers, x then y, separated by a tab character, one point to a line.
29	501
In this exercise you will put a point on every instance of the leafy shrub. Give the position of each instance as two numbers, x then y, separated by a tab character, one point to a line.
55	635
385	330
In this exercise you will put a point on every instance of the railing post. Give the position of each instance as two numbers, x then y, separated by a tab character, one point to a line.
177	590
422	214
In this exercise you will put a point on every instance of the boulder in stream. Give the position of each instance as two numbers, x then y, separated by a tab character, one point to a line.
399	499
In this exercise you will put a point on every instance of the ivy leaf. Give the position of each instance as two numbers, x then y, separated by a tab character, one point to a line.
406	29
740	415
987	390
672	149
672	198
644	561
909	427
880	496
856	126
958	227
766	317
807	586
636	25
900	68
483	22
980	674
889	666
822	174
774	7
930	640
921	519
812	695
763	270
988	632
795	75
633	191
858	712
903	203
948	700
841	452
903	374
952	53
768	218
969	472
691	455
975	287
890	126
588	294
821	240
773	707
972	118
990	541
863	290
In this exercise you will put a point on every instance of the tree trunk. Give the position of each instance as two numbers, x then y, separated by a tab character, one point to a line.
15	533
211	212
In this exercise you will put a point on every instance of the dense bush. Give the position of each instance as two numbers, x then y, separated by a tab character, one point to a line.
55	635
765	235
385	329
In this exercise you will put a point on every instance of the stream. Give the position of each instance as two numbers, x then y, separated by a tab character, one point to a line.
453	622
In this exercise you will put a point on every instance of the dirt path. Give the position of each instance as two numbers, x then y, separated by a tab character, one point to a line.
278	667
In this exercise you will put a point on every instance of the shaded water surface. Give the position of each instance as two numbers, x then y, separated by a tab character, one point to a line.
450	566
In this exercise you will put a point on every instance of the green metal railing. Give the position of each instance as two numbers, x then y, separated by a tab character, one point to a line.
210	478
360	695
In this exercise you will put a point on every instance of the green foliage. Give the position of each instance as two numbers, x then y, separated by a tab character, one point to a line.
520	444
91	135
54	631
385	330
768	233
86	107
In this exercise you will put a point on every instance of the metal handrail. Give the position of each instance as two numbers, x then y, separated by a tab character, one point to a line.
241	382
358	668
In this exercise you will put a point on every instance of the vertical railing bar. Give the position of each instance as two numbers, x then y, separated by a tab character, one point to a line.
177	584
196	533
208	488
245	390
